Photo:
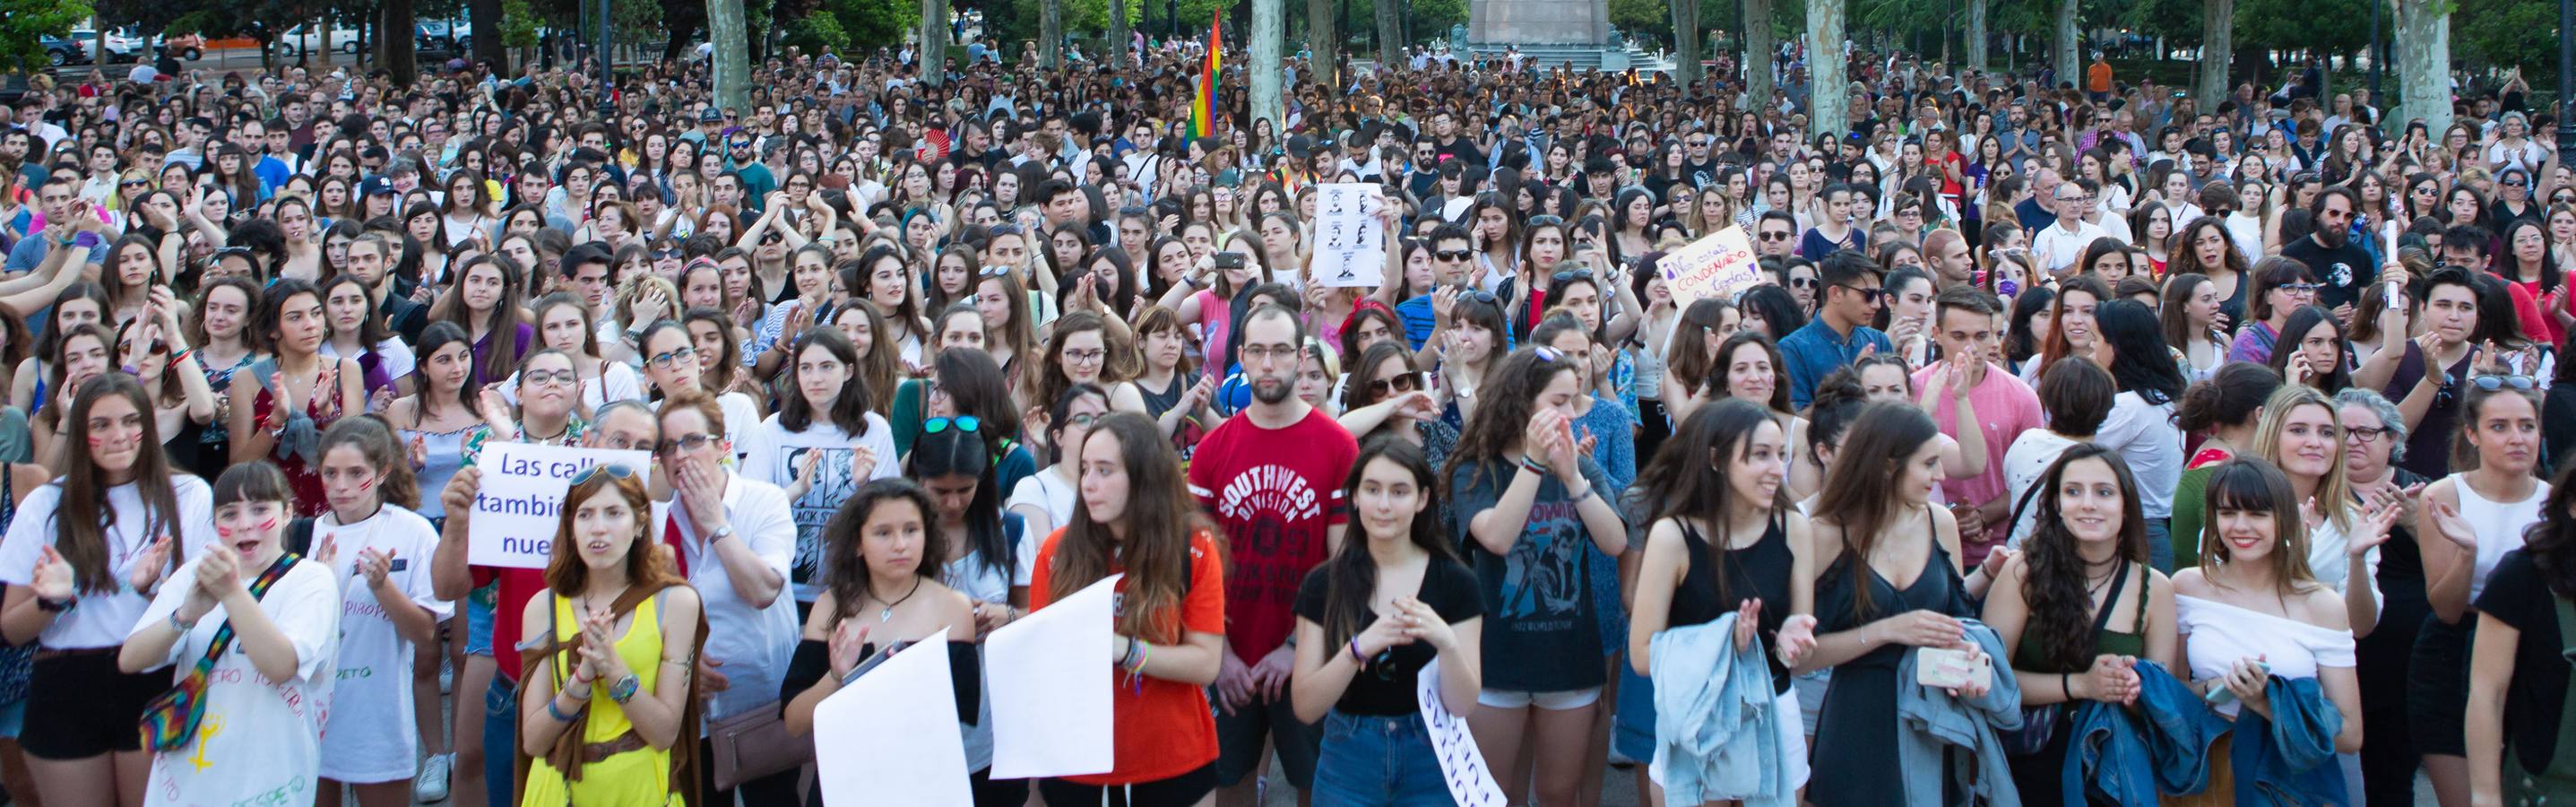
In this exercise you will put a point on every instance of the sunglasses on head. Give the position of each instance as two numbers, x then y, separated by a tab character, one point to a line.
2496	382
613	470
1572	276
963	423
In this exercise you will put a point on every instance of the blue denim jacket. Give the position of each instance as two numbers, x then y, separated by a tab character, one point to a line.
2126	756
2288	760
1815	349
1930	722
1717	731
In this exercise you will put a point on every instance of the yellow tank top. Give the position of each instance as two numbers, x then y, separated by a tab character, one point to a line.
639	777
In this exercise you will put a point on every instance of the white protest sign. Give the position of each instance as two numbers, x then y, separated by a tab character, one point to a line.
1049	677
1350	242
1470	784
891	737
521	503
1721	265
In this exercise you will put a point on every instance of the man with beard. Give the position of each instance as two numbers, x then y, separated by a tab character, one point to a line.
2342	267
1271	477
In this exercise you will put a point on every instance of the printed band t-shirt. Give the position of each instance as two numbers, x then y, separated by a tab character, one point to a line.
1275	493
1162	728
773	454
1540	632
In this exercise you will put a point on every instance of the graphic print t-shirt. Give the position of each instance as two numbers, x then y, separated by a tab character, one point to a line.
1540	632
1273	492
775	455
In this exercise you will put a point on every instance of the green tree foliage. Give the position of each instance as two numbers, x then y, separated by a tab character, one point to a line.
518	24
866	23
2504	34
818	32
2326	26
25	23
1089	19
1647	20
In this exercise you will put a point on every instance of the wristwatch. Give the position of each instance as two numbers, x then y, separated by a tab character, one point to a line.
721	533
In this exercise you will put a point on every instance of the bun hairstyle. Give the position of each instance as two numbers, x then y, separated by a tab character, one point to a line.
2231	397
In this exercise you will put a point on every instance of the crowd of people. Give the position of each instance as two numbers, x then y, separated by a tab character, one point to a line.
2065	432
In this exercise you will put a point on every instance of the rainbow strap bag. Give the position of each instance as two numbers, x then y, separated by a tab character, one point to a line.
170	720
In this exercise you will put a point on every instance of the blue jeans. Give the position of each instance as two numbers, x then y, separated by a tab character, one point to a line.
501	739
2160	550
1373	761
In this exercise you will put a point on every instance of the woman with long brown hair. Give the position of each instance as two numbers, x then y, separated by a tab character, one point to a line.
1134	517
609	693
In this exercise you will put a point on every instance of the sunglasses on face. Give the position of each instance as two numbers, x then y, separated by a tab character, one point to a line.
659	254
1407	381
963	423
1866	295
613	470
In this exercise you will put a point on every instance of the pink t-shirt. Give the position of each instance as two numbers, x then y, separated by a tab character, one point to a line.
1216	320
2005	408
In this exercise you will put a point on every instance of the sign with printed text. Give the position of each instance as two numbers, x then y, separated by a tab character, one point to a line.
521	502
1350	243
1461	764
1721	265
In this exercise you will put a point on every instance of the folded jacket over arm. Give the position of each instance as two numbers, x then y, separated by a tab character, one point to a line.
1930	723
1717	733
2131	754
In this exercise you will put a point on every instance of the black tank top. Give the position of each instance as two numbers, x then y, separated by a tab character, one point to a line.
1758	571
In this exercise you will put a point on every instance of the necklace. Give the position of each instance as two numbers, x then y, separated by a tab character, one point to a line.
888	612
2093	586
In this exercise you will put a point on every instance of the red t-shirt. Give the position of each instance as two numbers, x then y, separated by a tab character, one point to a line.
1275	493
1161	729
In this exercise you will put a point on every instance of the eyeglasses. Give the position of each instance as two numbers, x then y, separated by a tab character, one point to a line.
1256	353
1402	382
2300	288
1091	356
690	443
2362	434
1774	235
1866	295
1453	254
613	470
2495	382
675	356
549	378
967	424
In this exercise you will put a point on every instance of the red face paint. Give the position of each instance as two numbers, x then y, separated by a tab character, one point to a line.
270	524
222	531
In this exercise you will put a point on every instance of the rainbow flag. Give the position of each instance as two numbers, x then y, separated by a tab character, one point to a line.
1203	108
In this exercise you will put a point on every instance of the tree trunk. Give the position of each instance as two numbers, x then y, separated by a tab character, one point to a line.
397	51
1686	45
934	41
732	67
1269	32
1757	52
2423	40
1117	35
1324	40
1390	34
1051	34
1829	91
2217	48
1977	34
2070	65
485	30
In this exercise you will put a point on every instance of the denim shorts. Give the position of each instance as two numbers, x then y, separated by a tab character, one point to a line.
1378	761
478	623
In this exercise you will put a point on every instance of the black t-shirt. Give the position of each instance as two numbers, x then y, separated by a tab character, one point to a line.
1387	690
2516	596
2341	273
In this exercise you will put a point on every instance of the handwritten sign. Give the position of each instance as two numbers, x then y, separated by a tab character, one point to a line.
1350	241
521	504
1470	784
1721	265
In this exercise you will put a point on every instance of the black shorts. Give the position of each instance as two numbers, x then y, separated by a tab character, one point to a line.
1179	791
79	705
2437	687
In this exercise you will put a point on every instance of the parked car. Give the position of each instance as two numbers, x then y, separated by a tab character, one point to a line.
129	43
62	50
301	39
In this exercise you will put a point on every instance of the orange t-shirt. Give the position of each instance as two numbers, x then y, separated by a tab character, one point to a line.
1166	729
2098	79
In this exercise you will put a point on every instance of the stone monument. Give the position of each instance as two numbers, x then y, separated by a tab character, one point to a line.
1493	24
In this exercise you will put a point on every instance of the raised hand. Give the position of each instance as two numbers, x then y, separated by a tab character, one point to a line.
1423	624
219	571
53	577
151	565
375	566
849	636
2447	522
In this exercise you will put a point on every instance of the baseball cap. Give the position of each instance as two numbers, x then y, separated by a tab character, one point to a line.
375	186
710	115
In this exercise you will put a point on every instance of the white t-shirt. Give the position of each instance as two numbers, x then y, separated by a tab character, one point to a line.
2151	444
103	619
775	455
2024	463
2059	249
616	382
261	740
1045	491
372	728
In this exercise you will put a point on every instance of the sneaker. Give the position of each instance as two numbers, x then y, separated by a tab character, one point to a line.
431	785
